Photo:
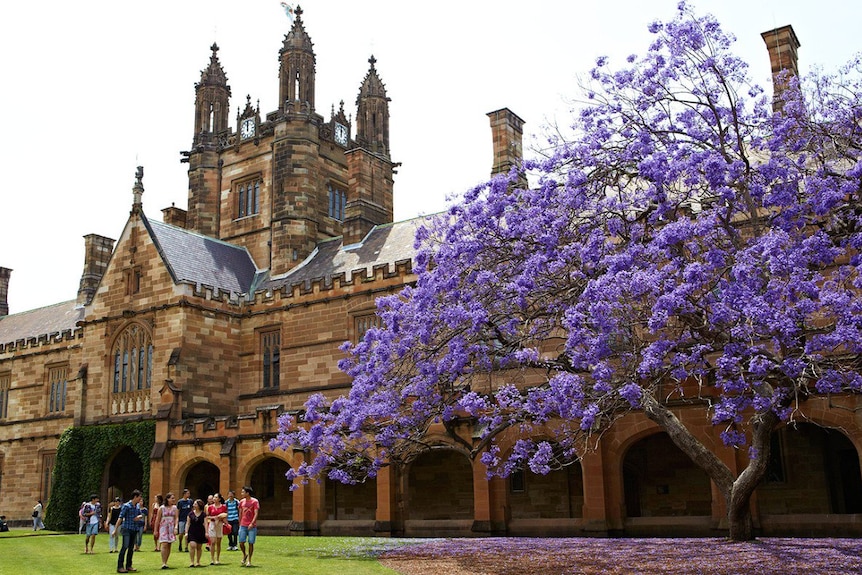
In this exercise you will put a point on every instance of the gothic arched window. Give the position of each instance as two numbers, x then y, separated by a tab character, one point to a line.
133	360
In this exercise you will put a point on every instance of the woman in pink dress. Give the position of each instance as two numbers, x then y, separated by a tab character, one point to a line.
166	522
216	519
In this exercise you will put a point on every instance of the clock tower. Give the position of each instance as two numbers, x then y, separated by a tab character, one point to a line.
280	183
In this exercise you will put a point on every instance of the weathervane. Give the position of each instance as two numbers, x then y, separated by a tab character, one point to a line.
288	11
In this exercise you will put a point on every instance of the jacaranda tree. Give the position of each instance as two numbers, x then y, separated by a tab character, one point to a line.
685	246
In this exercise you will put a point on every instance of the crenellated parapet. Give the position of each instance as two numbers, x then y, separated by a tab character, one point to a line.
399	272
211	293
45	339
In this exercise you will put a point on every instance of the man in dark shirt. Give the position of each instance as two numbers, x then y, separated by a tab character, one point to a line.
130	523
184	505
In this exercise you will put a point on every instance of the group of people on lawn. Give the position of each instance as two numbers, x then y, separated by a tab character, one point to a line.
200	524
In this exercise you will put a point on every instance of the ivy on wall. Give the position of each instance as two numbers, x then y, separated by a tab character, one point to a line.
82	454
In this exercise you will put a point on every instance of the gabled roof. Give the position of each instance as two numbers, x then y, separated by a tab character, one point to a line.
384	244
48	321
201	260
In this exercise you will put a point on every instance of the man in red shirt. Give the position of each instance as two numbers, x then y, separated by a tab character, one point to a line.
249	507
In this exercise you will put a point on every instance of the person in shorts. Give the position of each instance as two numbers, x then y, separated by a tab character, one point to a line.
249	508
93	514
184	505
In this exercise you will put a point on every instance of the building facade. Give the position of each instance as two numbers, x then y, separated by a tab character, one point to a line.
217	319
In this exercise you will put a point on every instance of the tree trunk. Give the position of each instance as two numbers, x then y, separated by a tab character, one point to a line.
739	503
737	491
739	518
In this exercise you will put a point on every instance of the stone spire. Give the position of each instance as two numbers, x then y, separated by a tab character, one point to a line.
213	75
212	97
297	70
372	113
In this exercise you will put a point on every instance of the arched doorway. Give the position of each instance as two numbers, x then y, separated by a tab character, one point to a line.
125	473
659	480
812	470
202	480
440	486
272	489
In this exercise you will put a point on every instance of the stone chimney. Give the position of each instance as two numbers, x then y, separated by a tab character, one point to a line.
507	135
174	216
97	253
4	291
782	44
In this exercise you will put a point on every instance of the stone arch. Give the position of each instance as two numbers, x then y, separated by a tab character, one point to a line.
251	458
202	477
123	472
439	485
820	411
813	470
271	487
659	480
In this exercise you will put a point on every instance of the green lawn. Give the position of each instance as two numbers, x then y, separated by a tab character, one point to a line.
23	551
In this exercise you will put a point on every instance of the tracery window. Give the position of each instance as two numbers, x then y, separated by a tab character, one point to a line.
5	384
48	460
133	360
248	198
363	323
337	201
57	389
270	349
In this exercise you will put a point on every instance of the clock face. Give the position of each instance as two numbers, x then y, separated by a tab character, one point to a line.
341	134
247	128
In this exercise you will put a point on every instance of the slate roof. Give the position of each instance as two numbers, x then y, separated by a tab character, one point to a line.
206	261
49	320
384	244
202	260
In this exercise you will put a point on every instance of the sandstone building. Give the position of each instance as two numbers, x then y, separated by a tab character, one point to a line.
222	316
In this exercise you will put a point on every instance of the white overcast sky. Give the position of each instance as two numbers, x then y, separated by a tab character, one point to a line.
90	89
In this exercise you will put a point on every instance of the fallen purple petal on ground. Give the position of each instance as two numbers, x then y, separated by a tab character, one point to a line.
510	556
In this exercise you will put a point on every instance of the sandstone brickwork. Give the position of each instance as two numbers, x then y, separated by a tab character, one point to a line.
198	294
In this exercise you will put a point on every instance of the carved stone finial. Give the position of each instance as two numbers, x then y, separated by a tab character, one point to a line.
138	190
372	60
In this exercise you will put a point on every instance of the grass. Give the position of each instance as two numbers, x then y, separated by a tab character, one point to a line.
23	551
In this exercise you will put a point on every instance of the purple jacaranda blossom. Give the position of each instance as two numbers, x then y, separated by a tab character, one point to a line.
597	556
683	241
